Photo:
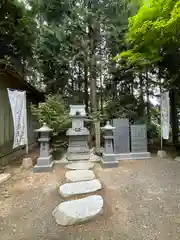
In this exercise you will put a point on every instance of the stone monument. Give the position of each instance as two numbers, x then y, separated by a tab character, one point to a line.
124	135
78	135
139	142
121	135
161	154
121	138
44	162
109	158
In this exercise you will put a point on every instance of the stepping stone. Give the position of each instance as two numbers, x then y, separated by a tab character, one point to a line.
80	166
177	159
4	177
79	175
27	163
78	211
76	188
161	154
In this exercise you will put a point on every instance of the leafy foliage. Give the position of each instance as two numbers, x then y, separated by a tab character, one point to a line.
53	112
70	46
154	45
17	34
155	26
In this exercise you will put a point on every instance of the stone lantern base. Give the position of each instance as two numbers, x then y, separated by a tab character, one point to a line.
44	164
78	149
133	156
109	160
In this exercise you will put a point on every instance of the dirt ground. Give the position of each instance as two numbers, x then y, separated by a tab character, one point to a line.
141	202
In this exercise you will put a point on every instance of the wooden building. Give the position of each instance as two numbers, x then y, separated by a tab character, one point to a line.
12	80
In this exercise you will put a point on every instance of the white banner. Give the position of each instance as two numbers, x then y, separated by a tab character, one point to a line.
17	101
165	115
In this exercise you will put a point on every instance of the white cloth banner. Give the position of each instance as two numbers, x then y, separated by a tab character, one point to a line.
17	101
165	115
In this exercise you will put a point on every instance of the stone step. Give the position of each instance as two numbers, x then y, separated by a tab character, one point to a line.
79	175
77	188
78	211
78	150
108	164
80	166
77	156
57	145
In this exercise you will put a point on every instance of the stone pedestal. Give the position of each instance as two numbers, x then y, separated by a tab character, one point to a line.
44	162
140	155
78	149
123	156
108	157
133	156
109	161
161	154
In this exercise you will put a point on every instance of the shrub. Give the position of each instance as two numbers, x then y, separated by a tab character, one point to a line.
54	112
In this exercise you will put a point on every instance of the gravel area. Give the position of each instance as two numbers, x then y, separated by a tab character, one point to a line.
141	202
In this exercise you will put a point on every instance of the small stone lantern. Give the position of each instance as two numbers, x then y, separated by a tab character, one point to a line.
108	158
44	162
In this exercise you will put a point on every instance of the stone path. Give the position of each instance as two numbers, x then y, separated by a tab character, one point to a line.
141	202
79	175
80	166
81	181
76	188
76	211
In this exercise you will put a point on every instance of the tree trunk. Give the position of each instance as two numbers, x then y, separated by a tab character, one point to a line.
93	89
86	94
92	77
101	82
79	84
101	94
174	116
148	105
141	105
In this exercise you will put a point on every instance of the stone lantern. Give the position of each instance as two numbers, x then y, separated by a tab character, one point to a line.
78	135
108	158
44	162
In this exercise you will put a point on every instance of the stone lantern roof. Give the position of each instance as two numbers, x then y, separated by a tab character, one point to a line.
108	126
77	111
44	128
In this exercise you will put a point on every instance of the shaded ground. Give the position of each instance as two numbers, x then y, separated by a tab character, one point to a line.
142	202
